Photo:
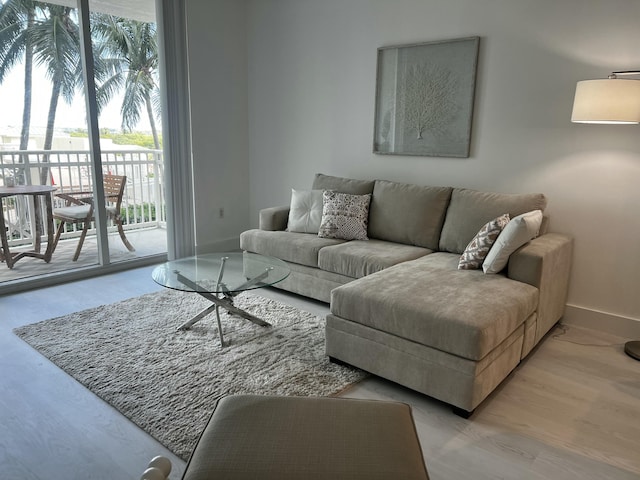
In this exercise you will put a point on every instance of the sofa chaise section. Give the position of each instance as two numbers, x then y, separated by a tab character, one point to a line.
431	302
451	334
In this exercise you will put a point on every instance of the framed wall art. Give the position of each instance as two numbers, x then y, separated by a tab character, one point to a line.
424	98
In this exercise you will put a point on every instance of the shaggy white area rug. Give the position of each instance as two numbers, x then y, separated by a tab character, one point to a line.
168	382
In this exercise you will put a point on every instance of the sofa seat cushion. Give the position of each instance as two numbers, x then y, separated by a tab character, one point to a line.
363	257
430	301
410	214
293	247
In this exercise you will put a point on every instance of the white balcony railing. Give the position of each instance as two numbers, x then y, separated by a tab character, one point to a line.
143	200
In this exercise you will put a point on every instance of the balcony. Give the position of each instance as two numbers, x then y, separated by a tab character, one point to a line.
143	207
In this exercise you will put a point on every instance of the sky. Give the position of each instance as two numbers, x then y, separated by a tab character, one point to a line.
74	116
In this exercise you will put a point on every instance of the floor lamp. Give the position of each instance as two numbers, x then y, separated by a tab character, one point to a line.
613	100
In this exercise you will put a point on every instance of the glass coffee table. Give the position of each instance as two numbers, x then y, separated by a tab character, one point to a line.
219	277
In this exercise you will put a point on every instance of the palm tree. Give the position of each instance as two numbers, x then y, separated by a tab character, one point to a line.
56	43
130	49
17	18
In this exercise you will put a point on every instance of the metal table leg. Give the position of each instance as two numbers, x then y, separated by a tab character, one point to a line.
224	300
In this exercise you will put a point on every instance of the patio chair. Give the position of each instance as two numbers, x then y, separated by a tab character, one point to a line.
79	209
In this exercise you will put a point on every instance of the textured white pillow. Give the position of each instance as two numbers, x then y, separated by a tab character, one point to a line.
305	213
518	231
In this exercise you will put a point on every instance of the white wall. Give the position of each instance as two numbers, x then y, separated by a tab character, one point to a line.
311	84
217	48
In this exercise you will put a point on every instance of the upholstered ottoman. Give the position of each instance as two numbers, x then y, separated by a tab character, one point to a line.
265	437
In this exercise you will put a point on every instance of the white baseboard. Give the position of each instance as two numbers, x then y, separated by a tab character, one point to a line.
605	322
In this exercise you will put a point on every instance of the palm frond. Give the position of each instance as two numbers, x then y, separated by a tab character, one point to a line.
125	53
156	102
107	89
14	22
132	52
56	40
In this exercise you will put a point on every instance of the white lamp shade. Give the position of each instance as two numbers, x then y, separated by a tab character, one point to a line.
612	100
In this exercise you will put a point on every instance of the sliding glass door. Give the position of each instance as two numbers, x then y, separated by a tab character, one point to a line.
83	91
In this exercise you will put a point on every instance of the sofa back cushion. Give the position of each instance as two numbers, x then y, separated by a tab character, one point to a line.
469	210
342	185
409	214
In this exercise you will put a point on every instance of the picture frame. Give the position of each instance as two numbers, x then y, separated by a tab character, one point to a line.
425	95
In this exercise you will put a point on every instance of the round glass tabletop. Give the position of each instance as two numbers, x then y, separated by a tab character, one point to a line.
229	272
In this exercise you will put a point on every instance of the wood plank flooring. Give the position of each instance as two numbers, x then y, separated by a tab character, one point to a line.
570	411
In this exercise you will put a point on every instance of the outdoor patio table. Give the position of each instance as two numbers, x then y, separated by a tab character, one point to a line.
31	191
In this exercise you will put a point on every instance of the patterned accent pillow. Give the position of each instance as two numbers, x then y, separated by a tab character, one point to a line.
479	247
344	215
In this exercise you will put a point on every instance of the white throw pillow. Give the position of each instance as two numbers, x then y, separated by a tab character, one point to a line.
305	213
518	231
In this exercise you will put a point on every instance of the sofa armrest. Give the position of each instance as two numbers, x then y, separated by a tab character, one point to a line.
274	218
545	263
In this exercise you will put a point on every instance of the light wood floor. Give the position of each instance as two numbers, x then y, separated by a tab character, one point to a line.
570	411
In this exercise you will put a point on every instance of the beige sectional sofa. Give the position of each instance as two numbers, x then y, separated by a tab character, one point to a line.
401	308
